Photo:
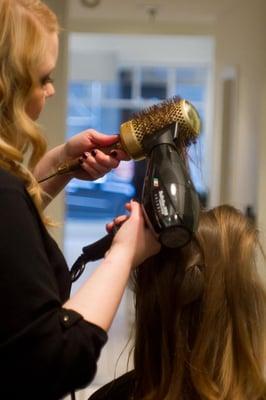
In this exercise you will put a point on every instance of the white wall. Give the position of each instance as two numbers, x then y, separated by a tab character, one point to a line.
135	49
53	119
240	43
261	153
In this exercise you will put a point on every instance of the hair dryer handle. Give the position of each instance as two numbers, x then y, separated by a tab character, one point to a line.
93	252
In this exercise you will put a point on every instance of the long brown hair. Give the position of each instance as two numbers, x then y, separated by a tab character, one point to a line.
24	25
201	316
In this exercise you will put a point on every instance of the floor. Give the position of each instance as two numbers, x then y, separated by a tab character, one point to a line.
114	359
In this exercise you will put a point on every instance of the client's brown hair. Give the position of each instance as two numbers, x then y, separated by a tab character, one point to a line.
201	316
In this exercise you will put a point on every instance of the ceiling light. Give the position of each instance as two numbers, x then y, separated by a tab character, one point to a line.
90	3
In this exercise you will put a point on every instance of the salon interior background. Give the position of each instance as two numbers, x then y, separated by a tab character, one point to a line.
236	152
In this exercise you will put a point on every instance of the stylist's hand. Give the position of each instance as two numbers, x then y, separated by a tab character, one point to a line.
134	238
95	163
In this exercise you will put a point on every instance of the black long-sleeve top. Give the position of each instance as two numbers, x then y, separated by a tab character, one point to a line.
46	351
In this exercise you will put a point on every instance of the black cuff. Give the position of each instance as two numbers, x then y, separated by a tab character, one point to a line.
69	317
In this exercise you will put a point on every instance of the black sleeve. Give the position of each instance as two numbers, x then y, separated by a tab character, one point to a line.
46	351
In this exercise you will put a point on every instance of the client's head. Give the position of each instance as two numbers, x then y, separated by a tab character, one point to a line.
201	315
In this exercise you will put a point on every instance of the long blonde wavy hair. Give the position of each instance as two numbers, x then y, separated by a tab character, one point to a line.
24	25
201	316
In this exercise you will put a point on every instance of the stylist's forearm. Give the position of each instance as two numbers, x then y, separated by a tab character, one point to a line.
98	299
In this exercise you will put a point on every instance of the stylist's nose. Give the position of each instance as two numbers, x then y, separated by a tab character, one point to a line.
49	90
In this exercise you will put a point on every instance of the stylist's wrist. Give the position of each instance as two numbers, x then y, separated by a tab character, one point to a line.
63	153
120	255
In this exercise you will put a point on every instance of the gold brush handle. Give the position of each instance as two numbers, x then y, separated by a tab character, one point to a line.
73	165
68	166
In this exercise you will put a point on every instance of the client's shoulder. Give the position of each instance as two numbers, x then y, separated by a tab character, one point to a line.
121	388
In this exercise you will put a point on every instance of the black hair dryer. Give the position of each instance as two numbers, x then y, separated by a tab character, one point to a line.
169	199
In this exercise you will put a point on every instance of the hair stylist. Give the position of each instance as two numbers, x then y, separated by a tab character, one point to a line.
49	344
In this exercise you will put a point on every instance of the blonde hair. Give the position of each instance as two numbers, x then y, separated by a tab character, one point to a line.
24	25
201	316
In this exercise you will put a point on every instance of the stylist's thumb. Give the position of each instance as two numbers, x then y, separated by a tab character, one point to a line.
135	208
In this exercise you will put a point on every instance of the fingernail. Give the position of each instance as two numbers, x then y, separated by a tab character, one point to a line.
113	154
81	160
85	156
93	153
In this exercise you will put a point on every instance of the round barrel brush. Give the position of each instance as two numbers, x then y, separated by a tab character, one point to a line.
146	123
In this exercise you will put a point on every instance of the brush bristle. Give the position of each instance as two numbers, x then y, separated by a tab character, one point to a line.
163	114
